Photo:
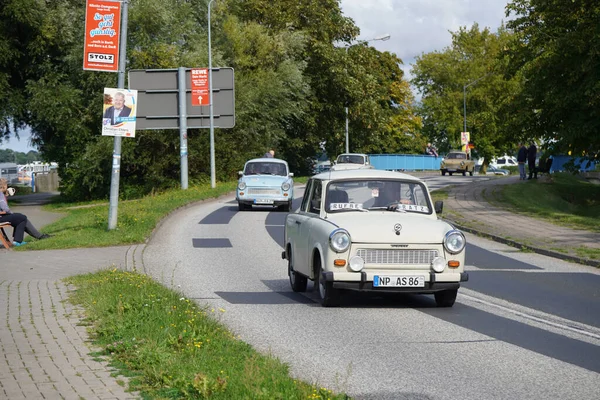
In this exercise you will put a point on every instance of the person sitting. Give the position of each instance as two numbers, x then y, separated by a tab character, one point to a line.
18	221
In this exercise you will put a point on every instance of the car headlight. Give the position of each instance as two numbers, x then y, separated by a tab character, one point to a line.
285	186
339	240
438	264
454	242
356	263
242	185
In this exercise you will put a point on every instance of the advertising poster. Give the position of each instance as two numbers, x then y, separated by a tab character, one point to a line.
102	32
118	114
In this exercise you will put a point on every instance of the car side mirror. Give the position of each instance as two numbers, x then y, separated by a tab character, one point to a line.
439	206
240	173
291	174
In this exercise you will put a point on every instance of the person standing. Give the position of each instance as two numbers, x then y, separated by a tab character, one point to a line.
531	155
521	159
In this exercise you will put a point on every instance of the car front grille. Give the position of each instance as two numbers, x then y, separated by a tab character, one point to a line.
263	191
393	256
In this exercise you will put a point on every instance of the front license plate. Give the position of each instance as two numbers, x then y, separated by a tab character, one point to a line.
263	201
398	281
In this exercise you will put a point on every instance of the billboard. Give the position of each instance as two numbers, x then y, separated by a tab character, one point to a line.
102	33
119	112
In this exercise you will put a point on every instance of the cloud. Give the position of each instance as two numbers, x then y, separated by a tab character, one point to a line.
420	26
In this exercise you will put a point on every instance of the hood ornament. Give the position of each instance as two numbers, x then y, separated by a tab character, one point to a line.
397	229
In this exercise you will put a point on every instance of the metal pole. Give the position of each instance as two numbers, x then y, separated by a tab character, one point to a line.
465	106
382	37
213	182
182	104
116	159
347	137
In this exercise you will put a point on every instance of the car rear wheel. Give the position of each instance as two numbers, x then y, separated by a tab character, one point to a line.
297	282
445	298
327	294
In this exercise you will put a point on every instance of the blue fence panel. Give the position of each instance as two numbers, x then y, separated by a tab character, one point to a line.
558	163
405	162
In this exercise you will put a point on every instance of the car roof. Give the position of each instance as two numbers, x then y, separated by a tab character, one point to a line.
267	159
364	174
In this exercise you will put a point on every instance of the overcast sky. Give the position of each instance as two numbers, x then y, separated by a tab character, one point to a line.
420	26
415	26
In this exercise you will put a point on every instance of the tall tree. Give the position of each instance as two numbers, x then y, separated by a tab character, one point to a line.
468	73
557	51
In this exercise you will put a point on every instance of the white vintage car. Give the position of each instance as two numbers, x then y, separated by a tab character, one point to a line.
372	230
265	182
351	161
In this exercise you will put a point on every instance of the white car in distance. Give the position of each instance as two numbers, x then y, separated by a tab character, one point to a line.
372	230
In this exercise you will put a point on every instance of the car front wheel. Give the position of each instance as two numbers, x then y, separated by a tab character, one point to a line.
327	294
297	282
445	298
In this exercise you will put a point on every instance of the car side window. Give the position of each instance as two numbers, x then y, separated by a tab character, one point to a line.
315	198
307	194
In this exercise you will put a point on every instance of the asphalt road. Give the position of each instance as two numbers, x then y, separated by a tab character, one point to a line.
525	326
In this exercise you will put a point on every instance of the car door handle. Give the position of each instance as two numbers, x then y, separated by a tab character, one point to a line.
298	222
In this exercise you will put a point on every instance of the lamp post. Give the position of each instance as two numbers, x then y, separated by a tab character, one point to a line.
465	98
213	183
382	38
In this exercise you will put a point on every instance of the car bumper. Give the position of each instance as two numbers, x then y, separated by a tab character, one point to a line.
363	281
257	202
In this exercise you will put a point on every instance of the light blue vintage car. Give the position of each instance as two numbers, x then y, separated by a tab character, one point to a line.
265	182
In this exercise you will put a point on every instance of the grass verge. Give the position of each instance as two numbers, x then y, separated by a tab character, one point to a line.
560	198
170	348
86	224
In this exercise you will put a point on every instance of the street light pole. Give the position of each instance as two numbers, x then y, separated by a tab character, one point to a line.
382	38
213	183
465	98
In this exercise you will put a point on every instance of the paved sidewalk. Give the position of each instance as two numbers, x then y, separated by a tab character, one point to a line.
45	350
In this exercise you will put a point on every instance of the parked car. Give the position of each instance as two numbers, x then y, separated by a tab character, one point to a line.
504	161
265	182
372	230
457	161
351	161
321	166
491	170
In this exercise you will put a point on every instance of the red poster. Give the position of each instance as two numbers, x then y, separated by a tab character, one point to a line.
200	87
102	31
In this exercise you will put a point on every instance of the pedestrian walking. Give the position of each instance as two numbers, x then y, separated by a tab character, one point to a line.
531	155
521	159
269	154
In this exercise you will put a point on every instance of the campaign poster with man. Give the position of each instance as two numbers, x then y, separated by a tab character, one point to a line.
118	114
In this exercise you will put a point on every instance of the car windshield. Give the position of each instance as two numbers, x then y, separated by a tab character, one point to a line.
369	194
265	168
350	159
457	156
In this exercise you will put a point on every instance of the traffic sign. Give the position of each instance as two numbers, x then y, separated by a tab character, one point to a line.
199	78
158	99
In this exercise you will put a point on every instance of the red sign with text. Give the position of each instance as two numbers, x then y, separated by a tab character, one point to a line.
200	87
102	32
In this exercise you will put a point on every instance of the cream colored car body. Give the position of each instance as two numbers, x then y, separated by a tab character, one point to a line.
457	162
352	161
391	243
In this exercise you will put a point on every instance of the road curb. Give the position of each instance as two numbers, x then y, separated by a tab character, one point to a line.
513	243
